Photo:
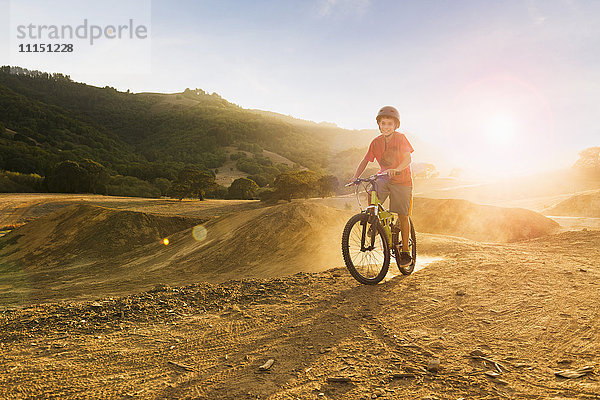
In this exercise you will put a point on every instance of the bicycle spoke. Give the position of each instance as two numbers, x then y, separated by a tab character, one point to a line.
371	261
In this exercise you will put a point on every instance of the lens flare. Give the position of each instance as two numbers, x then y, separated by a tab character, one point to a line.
166	241
199	232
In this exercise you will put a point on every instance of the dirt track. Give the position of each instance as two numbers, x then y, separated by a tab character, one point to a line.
530	305
19	208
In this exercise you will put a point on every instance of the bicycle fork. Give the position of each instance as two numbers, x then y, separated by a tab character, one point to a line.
371	232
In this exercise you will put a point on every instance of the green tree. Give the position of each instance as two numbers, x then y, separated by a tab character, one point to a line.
310	183
97	176
216	192
242	188
120	185
163	184
327	185
295	184
191	183
68	177
25	164
261	180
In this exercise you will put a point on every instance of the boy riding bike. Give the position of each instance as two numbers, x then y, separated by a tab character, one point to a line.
392	151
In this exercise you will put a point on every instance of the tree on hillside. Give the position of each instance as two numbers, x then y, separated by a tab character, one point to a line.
25	164
424	170
261	180
97	176
67	177
327	185
242	188
295	184
191	183
589	159
163	184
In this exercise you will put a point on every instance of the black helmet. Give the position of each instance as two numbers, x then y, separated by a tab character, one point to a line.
388	111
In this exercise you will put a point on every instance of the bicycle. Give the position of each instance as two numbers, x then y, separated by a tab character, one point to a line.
368	236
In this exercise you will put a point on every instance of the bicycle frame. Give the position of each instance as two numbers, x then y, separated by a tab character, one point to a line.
376	209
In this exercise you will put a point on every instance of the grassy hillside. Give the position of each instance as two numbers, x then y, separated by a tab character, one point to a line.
127	132
49	119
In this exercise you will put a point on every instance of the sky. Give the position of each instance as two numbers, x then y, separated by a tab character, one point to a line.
502	86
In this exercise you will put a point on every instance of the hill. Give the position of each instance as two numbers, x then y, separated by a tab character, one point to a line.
537	191
49	118
479	222
582	205
155	135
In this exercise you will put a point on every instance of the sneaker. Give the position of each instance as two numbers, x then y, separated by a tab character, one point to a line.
405	258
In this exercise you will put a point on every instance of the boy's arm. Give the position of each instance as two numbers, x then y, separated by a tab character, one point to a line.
360	169
406	160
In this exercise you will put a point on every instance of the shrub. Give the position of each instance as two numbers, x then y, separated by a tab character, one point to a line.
242	188
16	182
131	186
267	195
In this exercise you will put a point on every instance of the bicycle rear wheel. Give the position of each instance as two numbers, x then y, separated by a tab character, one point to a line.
365	249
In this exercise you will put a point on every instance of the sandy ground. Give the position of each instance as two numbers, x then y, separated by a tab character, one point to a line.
529	305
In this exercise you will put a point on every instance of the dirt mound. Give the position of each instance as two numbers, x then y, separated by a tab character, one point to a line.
87	251
479	222
268	242
82	231
75	244
582	205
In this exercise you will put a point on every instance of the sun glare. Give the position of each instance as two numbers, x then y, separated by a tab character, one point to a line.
497	126
500	129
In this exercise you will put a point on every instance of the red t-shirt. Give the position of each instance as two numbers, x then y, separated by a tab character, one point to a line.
389	156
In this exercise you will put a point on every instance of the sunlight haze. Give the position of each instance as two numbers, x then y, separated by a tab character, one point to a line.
505	87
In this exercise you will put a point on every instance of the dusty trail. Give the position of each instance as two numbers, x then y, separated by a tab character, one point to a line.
531	306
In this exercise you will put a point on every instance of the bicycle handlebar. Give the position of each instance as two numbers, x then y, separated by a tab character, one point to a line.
369	179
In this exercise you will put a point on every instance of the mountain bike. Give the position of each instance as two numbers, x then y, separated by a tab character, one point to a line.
369	236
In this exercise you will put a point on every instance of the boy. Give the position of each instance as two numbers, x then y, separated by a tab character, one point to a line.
392	151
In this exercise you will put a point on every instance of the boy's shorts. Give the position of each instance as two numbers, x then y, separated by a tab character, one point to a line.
400	196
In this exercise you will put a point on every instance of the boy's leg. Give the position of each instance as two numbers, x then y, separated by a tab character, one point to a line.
404	231
401	203
403	223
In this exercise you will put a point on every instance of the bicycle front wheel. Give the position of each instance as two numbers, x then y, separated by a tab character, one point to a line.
365	249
